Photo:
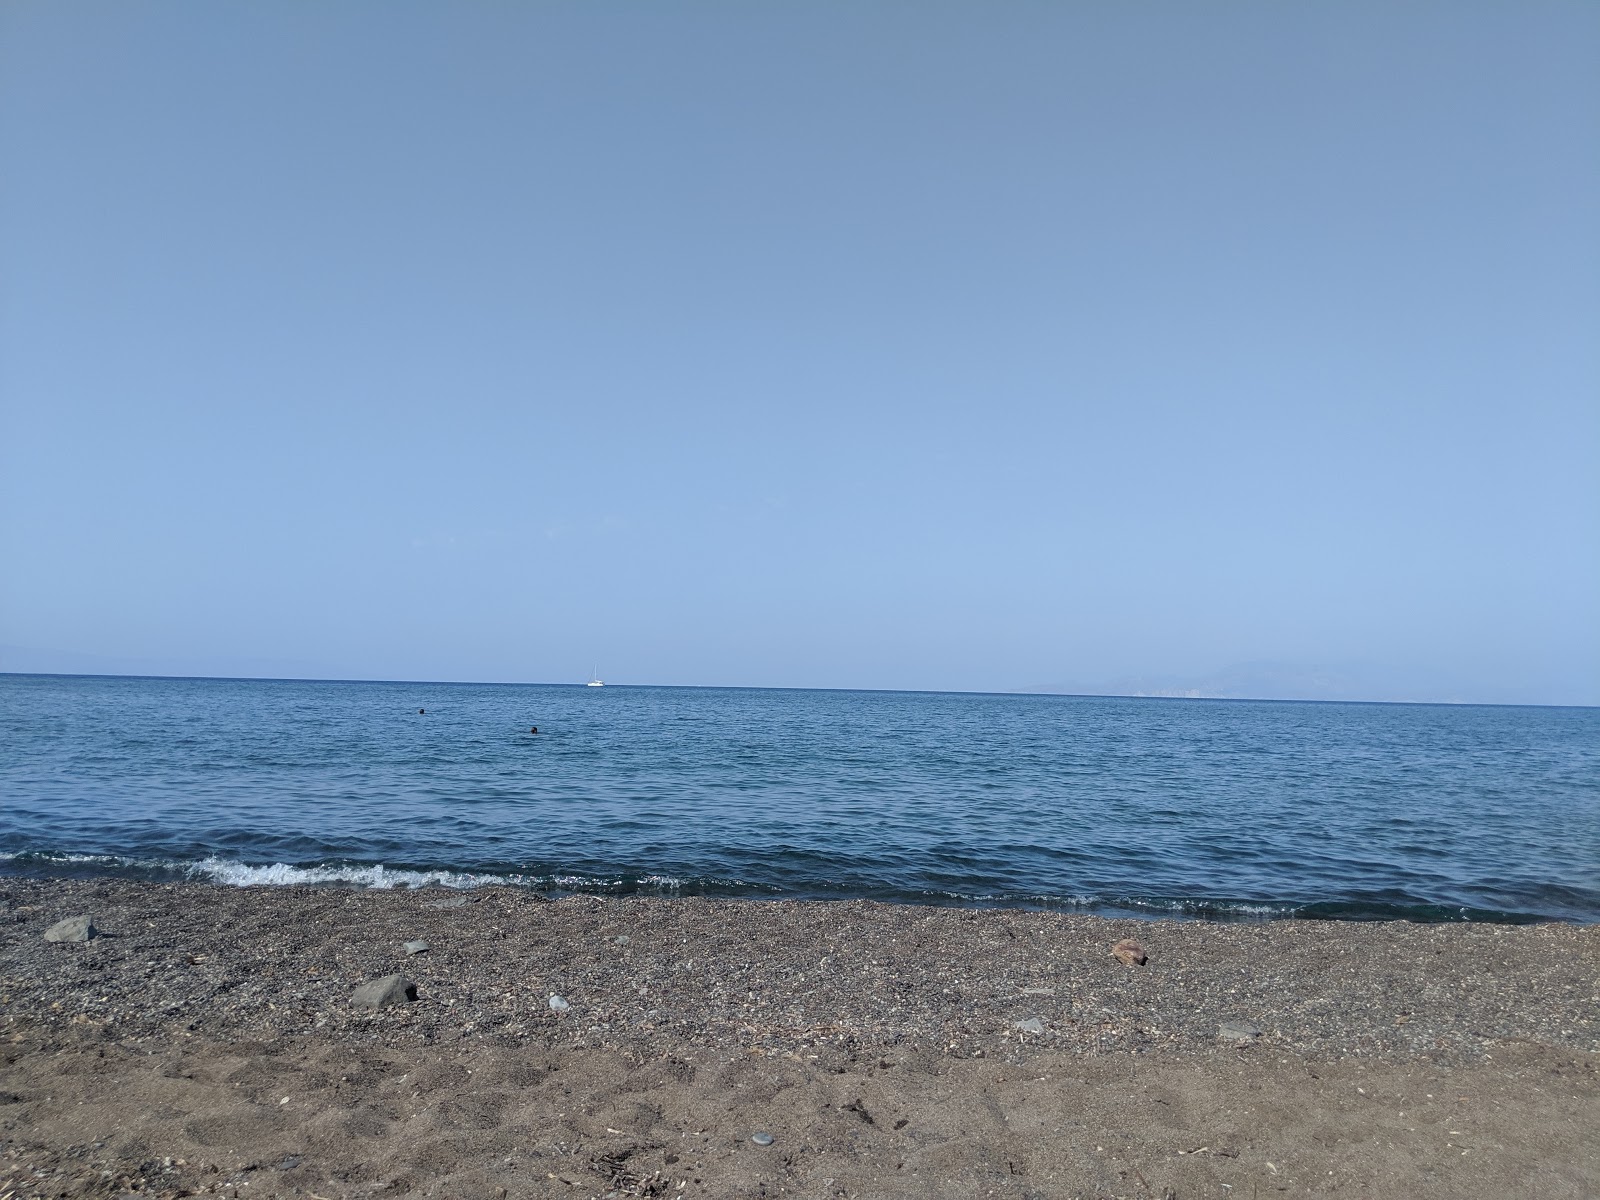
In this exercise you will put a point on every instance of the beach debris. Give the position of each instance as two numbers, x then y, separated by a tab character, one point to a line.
450	902
761	1139
416	947
1129	952
1030	1025
622	939
73	929
381	993
558	1004
1238	1031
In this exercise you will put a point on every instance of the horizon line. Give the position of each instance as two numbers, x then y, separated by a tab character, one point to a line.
742	687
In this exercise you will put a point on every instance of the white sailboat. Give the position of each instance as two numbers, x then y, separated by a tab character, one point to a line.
595	680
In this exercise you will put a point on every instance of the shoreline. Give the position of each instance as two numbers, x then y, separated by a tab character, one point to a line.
211	871
768	1013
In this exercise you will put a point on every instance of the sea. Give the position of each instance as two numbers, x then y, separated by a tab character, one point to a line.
1204	809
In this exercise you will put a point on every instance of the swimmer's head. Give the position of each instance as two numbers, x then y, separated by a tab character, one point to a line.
535	729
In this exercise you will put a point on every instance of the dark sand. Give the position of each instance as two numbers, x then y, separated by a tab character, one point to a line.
207	1044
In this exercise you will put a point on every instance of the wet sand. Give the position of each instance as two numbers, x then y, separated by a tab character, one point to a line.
207	1043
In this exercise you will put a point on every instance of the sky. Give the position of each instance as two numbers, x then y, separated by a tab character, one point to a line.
1230	348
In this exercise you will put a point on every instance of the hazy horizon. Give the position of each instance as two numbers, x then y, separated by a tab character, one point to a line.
907	347
1129	690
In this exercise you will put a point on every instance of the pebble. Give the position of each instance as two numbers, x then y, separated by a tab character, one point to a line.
381	993
417	947
1031	1025
761	1139
557	1004
1237	1031
452	902
1130	952
73	929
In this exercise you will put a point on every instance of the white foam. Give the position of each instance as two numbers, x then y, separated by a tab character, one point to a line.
232	873
238	874
379	877
1204	906
573	883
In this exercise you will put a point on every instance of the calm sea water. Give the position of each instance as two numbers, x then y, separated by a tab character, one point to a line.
1207	808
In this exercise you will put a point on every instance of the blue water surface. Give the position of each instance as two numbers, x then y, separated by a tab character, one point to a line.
1228	809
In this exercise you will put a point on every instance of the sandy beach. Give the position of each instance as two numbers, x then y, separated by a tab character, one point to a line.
207	1042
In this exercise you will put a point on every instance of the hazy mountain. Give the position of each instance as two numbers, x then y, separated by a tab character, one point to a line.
1290	681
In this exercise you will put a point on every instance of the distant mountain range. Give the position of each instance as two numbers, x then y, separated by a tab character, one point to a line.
1287	681
27	660
1256	680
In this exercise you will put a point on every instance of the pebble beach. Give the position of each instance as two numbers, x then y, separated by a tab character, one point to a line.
209	1040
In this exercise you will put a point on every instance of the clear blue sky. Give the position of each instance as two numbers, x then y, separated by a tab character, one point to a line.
908	345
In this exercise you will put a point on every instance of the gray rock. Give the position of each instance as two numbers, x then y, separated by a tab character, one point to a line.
557	1004
417	947
761	1139
381	993
1031	1025
73	929
1237	1031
